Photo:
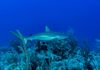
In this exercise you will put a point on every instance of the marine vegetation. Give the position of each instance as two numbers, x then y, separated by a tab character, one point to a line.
48	50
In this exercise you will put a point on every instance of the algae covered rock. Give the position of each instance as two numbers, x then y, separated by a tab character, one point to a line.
48	50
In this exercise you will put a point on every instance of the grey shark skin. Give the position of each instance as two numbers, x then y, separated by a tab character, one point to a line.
47	35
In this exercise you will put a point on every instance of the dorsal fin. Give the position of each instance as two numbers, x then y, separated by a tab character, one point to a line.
47	29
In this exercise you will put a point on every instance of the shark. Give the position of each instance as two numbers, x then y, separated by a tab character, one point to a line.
45	36
98	40
98	43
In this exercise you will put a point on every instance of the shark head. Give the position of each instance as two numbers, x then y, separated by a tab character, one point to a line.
98	40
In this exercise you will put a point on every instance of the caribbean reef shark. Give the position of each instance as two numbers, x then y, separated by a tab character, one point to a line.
46	35
98	40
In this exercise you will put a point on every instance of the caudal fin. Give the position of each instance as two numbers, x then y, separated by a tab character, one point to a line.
19	35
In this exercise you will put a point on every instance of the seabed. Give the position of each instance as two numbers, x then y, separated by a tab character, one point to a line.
48	51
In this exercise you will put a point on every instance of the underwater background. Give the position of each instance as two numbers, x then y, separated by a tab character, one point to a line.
31	16
49	35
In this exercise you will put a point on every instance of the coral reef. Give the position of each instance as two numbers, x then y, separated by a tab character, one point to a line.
48	51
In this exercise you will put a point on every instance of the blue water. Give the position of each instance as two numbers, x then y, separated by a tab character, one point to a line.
31	16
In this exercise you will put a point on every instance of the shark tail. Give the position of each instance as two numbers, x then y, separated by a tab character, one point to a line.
20	36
